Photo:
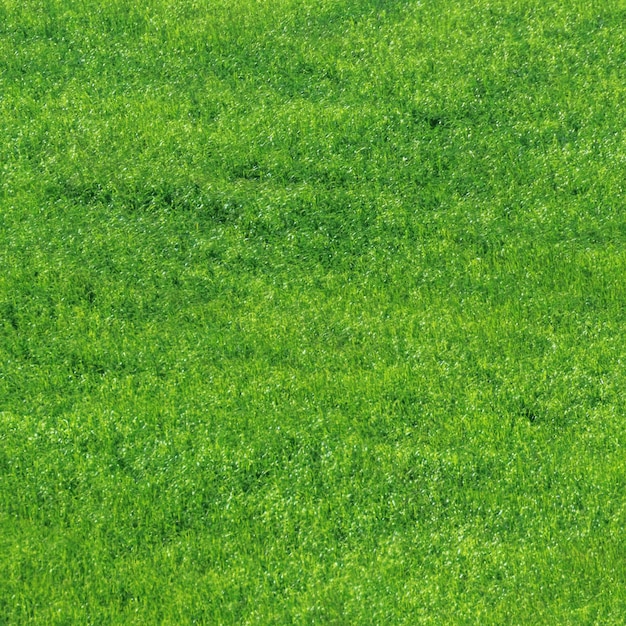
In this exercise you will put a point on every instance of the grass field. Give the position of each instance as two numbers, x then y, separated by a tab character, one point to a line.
312	312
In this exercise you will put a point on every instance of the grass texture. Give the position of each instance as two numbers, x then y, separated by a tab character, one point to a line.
312	312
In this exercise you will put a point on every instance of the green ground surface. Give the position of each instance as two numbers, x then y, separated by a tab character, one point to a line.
312	312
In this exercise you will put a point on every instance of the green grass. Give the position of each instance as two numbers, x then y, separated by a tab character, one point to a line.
312	312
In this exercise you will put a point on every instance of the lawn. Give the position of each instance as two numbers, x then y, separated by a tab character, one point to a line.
312	312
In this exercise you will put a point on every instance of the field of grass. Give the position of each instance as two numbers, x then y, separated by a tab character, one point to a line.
312	312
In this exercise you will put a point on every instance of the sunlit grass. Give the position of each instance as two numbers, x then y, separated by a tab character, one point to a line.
312	312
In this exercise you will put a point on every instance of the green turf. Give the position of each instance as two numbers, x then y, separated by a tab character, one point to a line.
312	312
